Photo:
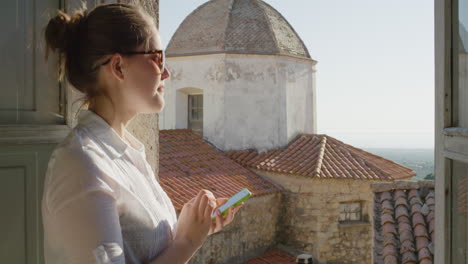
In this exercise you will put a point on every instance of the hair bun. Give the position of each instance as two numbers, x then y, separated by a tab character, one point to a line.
62	30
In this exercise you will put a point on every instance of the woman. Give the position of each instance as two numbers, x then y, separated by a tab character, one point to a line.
101	202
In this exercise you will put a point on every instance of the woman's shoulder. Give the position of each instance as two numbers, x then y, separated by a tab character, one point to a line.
79	142
80	150
78	165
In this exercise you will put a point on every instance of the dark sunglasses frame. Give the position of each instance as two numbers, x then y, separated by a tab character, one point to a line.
162	57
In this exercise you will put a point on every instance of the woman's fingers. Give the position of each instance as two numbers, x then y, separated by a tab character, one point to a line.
202	206
198	198
209	209
221	201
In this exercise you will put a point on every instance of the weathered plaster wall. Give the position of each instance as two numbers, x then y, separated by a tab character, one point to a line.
252	232
300	97
250	101
310	219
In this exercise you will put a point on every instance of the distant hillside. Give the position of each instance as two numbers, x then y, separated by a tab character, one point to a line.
420	161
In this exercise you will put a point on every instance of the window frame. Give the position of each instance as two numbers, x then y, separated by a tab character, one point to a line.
451	141
349	221
190	107
32	132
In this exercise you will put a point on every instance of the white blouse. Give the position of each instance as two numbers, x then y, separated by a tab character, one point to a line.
101	201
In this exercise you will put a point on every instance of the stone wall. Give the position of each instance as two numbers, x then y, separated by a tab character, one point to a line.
310	222
145	127
252	232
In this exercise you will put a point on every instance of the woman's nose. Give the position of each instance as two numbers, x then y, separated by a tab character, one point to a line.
166	74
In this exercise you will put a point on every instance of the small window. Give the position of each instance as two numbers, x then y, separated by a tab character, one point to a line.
350	212
195	113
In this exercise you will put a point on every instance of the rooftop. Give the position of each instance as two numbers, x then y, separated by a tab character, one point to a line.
188	164
236	26
321	156
404	217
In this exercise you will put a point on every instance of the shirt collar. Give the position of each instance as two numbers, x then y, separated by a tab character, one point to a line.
108	138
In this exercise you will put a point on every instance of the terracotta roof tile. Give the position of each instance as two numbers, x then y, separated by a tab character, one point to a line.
405	229
416	209
425	209
401	201
387	218
389	228
409	258
275	256
409	227
322	156
424	253
407	246
390	250
425	261
418	219
421	243
188	164
401	211
386	196
390	259
400	193
387	205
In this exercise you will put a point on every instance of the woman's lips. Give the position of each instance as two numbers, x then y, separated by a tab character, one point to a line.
161	88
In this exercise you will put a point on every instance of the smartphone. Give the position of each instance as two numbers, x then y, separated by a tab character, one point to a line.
236	199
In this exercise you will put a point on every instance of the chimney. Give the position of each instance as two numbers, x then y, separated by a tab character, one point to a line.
304	259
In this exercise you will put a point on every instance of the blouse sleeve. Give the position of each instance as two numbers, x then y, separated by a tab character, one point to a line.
81	199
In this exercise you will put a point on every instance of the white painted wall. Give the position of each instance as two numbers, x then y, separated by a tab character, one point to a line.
250	101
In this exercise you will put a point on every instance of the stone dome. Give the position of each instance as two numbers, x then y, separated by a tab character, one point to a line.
236	26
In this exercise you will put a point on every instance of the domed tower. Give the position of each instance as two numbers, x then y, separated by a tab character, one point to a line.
241	76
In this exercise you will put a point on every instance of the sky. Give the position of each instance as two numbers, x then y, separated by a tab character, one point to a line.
375	70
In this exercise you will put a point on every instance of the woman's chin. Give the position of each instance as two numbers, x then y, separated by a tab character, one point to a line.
156	108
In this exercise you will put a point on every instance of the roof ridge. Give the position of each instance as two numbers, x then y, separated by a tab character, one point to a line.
306	50
267	19
323	144
231	4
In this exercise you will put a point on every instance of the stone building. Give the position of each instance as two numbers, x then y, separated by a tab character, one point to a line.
240	113
327	198
313	196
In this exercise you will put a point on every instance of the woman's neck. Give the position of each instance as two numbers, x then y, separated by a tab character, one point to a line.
117	119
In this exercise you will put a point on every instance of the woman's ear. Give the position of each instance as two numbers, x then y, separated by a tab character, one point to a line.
116	68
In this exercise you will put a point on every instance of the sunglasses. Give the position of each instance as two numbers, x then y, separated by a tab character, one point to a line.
161	56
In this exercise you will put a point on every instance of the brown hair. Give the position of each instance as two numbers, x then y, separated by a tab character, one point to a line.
82	39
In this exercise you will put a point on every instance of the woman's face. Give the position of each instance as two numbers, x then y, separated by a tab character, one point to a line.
143	86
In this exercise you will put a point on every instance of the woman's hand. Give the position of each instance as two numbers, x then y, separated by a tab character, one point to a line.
195	220
220	222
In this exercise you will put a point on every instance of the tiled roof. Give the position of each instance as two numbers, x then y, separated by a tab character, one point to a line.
322	156
236	26
188	164
404	222
274	256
